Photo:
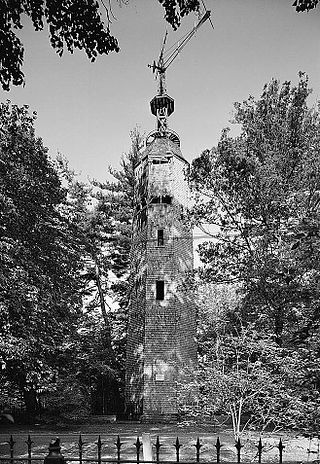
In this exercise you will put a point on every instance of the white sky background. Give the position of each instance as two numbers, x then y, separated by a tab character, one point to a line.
86	110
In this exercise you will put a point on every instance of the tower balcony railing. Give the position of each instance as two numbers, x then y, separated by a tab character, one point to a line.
170	134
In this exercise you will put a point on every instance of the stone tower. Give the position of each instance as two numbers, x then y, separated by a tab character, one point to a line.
162	319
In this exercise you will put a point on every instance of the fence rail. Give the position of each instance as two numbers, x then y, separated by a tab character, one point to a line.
140	456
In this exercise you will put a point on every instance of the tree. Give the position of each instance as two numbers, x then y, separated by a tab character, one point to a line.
110	226
40	255
64	253
305	5
72	24
243	374
109	230
103	213
261	192
77	25
249	378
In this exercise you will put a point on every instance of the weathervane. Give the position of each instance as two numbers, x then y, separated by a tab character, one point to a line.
162	105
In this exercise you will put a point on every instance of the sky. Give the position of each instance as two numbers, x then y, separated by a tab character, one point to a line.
87	110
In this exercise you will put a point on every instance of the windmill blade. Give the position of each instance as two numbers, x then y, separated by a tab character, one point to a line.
205	9
187	37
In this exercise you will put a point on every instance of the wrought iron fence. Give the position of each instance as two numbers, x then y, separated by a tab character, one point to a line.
120	457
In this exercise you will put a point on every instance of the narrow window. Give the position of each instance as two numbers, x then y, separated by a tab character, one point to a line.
160	237
160	290
155	200
167	199
160	161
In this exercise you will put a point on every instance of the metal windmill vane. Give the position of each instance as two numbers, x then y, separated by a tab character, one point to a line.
162	105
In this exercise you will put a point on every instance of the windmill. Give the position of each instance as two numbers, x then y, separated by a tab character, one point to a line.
162	105
162	320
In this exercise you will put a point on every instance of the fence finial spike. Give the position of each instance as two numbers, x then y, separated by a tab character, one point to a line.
118	442
218	448
11	442
157	445
177	446
29	441
260	448
281	447
198	446
218	444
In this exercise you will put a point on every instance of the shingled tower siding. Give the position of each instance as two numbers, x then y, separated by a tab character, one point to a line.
162	324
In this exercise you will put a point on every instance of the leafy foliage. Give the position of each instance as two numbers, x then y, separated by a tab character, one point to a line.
76	25
305	5
244	375
103	214
64	252
39	254
72	25
175	10
259	194
255	381
69	401
113	215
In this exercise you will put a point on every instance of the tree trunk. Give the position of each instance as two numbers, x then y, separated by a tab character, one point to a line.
234	419
107	330
278	326
30	400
